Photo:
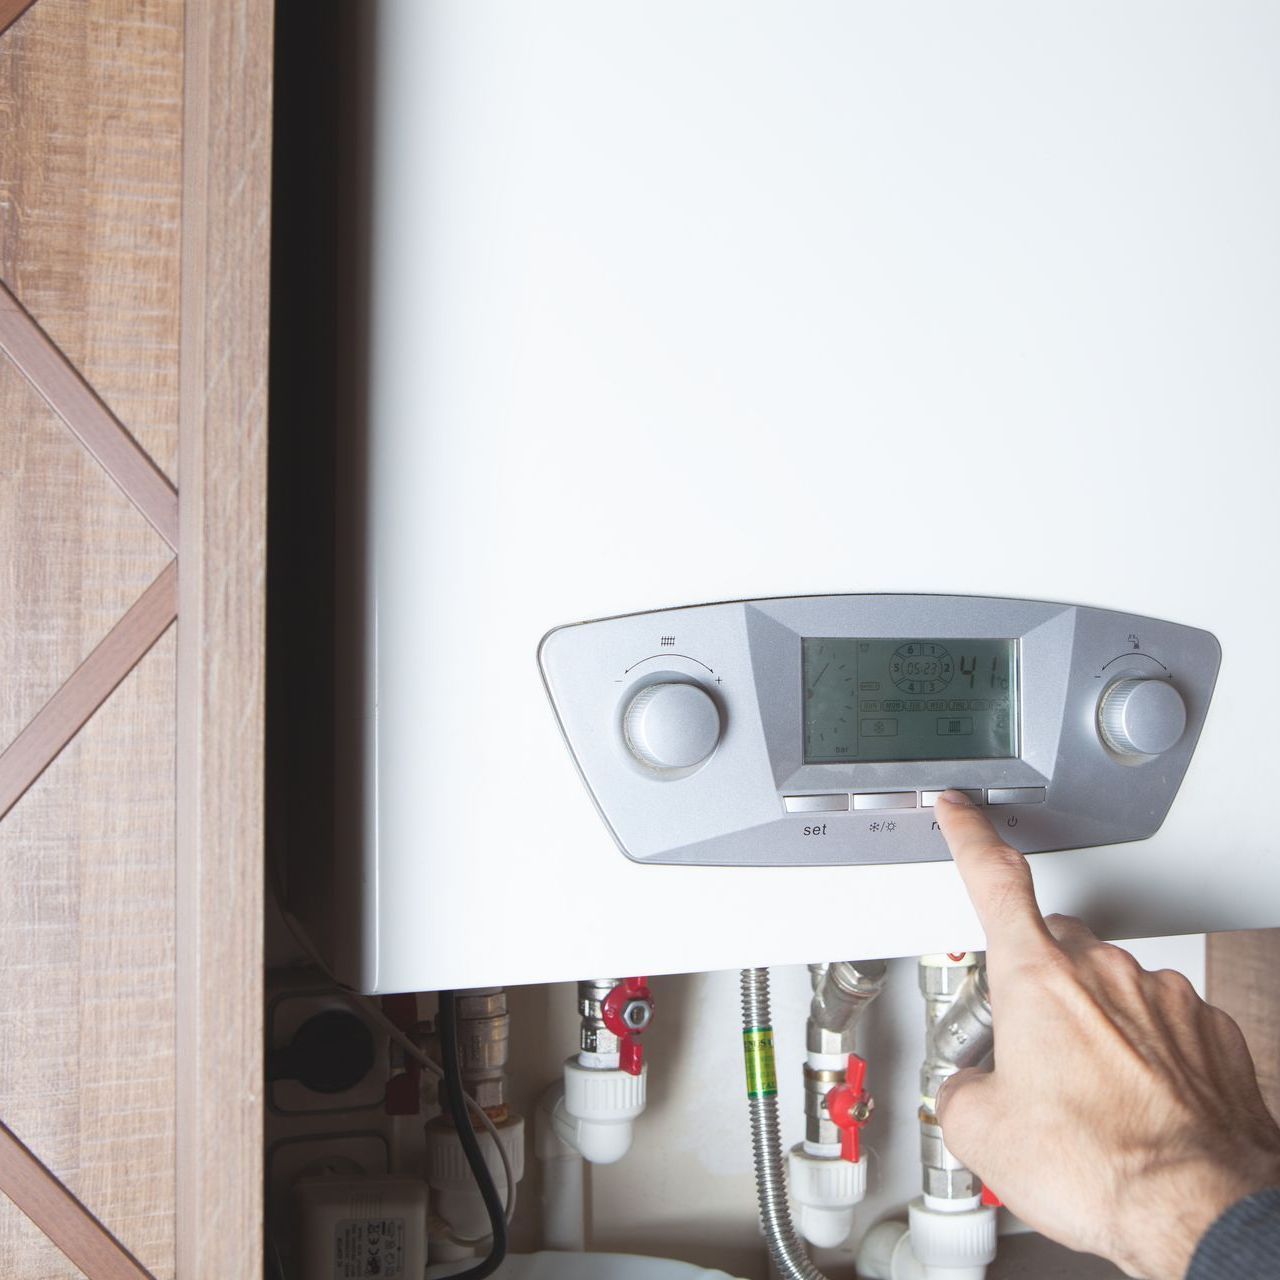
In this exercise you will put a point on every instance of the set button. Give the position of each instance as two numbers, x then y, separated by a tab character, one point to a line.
816	804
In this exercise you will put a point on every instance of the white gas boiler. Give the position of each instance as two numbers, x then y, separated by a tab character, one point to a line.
777	413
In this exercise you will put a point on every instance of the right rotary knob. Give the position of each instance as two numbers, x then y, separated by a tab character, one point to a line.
1140	717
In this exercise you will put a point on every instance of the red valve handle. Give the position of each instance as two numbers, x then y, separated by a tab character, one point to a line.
990	1199
630	1050
842	1105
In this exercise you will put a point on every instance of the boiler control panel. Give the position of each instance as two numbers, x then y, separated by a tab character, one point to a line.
820	729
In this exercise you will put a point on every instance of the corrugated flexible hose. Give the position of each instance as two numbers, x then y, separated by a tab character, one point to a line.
789	1256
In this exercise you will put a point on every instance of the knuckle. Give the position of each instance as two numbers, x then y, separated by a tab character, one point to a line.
1175	986
1007	858
1115	961
957	1107
1067	926
1010	876
1223	1026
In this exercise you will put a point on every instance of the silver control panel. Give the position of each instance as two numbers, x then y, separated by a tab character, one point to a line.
762	732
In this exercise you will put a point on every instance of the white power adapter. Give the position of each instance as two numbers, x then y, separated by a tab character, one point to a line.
349	1228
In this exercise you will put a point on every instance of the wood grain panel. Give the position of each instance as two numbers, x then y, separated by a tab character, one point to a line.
87	949
90	196
75	556
97	677
11	11
34	354
222	544
68	1224
1243	978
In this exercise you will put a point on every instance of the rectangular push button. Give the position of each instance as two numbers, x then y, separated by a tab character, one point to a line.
816	804
929	798
1015	795
885	800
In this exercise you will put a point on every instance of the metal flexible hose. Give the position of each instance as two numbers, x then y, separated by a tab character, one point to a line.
789	1256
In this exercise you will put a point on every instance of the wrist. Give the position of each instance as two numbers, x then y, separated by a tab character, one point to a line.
1163	1217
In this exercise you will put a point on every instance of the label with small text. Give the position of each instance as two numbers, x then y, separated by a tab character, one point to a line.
364	1247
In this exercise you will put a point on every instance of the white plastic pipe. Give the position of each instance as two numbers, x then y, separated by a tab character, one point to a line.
563	1201
589	1114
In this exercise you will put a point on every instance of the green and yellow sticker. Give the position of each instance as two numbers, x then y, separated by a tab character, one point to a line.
762	1074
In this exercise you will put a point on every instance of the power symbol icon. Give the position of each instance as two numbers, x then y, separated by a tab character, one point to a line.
1011	821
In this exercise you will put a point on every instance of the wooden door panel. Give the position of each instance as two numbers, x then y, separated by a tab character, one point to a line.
87	1076
90	196
134	209
76	554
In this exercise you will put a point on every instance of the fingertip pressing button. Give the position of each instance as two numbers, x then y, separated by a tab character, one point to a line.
930	798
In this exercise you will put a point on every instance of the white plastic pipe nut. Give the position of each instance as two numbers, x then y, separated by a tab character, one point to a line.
598	1113
940	1244
447	1167
952	1240
825	1191
455	1197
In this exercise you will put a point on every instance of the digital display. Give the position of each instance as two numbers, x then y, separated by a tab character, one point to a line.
909	699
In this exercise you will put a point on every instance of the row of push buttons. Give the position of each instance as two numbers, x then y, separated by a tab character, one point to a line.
908	799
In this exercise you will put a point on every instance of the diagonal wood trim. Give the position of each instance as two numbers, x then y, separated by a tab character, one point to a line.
61	1216
42	363
11	11
89	686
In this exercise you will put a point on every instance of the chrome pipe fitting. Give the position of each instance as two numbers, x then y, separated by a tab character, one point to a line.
484	1035
842	993
958	1035
595	1037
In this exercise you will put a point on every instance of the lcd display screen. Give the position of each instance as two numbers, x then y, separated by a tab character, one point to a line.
909	699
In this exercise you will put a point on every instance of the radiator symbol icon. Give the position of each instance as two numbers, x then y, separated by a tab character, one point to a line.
668	642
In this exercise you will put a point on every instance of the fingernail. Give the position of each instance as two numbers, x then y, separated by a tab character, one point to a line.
956	797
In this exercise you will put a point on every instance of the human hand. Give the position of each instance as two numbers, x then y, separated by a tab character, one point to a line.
1123	1114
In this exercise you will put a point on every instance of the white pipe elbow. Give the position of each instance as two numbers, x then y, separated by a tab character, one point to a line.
885	1254
592	1113
938	1245
597	1112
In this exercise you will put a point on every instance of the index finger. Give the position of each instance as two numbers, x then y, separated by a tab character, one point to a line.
997	877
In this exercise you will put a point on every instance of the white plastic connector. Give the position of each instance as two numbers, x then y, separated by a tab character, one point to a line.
455	1197
885	1254
825	1191
597	1114
940	1244
957	1245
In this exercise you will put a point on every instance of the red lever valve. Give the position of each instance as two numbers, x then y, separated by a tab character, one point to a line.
850	1105
627	1010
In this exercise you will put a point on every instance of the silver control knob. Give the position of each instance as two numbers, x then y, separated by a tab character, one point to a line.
1142	717
672	726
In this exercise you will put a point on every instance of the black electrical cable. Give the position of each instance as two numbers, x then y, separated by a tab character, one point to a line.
447	1025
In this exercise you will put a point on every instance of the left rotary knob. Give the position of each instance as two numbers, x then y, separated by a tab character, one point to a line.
672	725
